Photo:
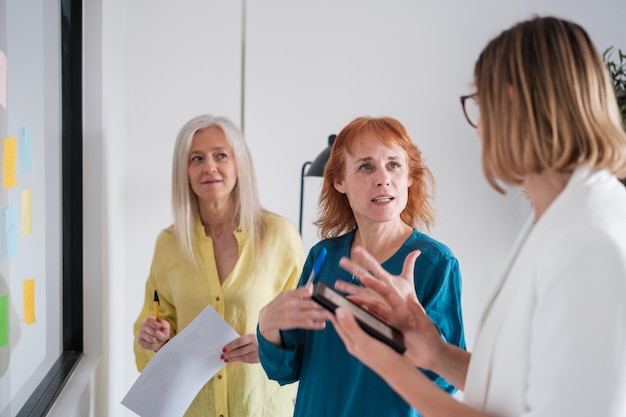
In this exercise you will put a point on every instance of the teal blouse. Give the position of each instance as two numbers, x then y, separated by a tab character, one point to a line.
331	381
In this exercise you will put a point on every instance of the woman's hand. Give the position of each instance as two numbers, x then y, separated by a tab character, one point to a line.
243	349
365	267
153	333
407	381
292	309
396	303
373	353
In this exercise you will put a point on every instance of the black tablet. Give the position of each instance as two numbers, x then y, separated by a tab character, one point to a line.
331	299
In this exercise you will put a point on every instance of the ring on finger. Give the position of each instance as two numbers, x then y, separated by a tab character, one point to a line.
355	280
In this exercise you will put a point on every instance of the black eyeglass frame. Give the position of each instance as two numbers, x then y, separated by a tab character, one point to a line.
463	99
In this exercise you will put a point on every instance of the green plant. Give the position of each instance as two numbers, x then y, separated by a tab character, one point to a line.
617	71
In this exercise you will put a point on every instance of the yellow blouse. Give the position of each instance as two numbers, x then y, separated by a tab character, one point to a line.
238	389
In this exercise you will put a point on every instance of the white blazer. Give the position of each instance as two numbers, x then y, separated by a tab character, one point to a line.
553	337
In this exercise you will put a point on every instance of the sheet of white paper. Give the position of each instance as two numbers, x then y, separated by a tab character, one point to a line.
173	377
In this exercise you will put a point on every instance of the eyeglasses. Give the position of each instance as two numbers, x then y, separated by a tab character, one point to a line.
471	109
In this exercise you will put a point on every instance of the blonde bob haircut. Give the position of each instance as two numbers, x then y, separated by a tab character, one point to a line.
336	216
245	196
546	103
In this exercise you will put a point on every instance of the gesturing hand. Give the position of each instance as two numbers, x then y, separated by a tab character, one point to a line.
291	310
393	299
377	282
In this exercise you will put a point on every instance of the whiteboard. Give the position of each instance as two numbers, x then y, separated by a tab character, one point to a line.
31	246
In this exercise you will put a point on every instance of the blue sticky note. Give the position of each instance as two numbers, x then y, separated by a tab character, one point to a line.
10	229
24	149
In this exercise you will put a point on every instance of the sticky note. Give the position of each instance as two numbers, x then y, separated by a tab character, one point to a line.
29	301
10	230
8	162
4	320
24	149
3	79
27	212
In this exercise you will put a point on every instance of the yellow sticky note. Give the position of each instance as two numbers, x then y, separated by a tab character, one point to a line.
27	212
9	162
29	301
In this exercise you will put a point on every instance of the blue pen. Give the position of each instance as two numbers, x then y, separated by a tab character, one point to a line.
317	266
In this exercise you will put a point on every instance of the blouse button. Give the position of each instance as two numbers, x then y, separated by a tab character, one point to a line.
217	298
219	377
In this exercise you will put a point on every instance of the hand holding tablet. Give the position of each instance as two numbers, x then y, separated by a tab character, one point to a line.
330	299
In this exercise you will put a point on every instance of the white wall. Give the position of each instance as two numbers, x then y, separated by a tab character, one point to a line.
310	68
320	65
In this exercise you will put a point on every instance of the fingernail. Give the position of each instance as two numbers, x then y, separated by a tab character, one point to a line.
340	313
224	349
226	360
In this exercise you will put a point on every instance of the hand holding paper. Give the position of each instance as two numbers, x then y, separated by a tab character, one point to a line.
176	373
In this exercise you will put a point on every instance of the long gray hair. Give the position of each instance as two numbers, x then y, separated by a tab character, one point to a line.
245	194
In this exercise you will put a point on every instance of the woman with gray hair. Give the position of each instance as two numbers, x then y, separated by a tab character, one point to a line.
222	250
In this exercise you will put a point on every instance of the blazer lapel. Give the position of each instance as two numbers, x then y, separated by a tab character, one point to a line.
516	271
479	372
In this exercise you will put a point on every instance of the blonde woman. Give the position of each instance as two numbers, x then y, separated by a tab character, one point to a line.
552	341
223	250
